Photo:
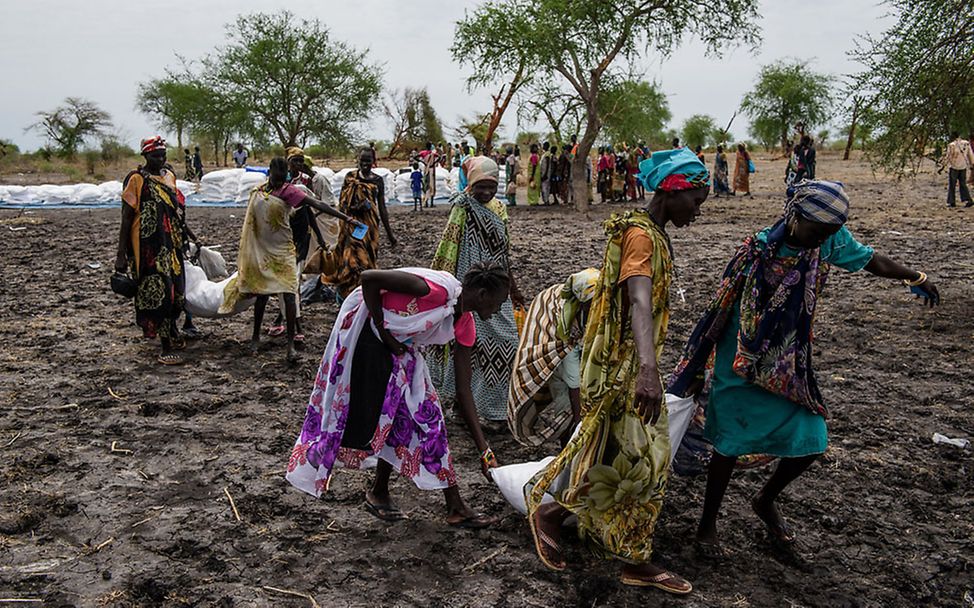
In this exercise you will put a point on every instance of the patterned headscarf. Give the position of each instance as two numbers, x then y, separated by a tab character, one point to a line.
578	289
673	170
478	169
818	200
152	144
293	151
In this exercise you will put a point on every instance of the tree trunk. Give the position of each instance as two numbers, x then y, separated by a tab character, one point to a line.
501	106
852	130
580	188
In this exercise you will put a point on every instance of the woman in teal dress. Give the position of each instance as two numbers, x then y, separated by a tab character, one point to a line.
764	398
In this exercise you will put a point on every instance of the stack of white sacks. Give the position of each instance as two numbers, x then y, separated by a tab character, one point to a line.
221	187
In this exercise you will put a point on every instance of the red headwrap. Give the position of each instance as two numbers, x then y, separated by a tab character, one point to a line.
676	182
152	144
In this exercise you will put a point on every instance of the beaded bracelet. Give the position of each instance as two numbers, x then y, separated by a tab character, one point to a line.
488	456
917	282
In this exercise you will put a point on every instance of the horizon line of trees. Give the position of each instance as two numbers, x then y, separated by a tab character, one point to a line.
280	80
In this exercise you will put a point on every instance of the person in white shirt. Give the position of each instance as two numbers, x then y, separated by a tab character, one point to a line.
240	156
959	159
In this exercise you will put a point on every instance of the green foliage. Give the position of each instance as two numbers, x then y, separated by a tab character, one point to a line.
113	150
559	106
526	138
91	157
700	130
8	149
332	150
294	79
68	126
476	128
787	94
171	104
633	111
917	81
589	43
414	121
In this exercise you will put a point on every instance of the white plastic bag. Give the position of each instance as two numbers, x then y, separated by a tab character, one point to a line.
512	478
204	297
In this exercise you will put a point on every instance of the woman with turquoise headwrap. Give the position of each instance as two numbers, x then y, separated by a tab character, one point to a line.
764	398
612	474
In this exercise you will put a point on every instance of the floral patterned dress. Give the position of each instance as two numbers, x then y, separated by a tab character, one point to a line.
612	475
743	418
411	432
156	250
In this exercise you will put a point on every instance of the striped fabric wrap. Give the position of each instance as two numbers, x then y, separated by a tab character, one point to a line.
818	200
539	353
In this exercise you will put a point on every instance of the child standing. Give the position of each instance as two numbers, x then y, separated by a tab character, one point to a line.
416	181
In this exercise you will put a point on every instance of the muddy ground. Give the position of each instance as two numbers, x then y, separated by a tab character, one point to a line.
115	472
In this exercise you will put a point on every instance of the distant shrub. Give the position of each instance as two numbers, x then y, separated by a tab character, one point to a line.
113	150
91	159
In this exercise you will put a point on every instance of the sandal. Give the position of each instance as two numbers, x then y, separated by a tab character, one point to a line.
169	359
665	581
477	521
276	330
777	530
298	338
384	512
542	543
192	333
178	343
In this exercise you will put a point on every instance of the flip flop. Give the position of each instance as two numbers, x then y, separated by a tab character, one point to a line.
298	338
169	359
385	512
477	521
178	343
192	333
659	581
542	540
276	330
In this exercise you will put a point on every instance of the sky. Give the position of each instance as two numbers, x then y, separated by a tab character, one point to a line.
102	49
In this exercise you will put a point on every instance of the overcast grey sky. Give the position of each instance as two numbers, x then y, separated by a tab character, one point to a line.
100	49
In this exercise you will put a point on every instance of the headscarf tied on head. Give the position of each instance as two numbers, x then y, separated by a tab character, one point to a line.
579	289
673	170
152	144
818	200
478	169
293	151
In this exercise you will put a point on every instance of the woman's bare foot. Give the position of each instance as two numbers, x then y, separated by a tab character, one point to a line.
767	511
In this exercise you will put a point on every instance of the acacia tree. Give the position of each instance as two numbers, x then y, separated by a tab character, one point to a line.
788	93
69	125
917	81
586	41
633	111
475	45
699	130
170	103
297	81
413	119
